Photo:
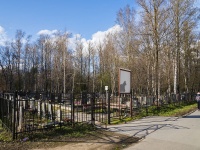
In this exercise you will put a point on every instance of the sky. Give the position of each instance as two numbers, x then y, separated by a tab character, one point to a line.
84	17
90	19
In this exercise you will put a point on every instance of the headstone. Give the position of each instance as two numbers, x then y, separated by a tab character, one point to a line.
43	109
144	100
120	100
39	108
32	104
128	104
59	115
10	97
20	117
140	100
50	111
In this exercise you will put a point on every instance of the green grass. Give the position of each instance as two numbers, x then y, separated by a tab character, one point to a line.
79	130
169	110
5	136
178	110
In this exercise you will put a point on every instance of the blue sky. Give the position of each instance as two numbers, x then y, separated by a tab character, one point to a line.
84	17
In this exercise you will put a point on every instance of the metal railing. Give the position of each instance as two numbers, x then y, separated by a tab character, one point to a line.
28	112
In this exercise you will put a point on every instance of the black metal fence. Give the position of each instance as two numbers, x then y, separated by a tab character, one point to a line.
28	112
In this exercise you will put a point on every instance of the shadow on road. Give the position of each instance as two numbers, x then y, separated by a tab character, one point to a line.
147	126
193	116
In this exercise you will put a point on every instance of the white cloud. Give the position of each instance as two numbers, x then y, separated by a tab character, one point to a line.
97	38
77	38
3	36
47	32
1	30
72	41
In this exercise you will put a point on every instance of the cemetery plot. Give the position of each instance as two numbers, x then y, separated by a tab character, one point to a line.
26	113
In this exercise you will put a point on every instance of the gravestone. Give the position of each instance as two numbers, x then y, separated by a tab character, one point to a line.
50	111
43	109
20	116
32	104
39	107
144	100
59	115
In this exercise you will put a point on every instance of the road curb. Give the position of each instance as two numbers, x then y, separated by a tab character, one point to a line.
188	114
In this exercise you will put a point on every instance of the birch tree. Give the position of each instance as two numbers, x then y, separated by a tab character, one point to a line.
7	66
17	46
183	11
154	17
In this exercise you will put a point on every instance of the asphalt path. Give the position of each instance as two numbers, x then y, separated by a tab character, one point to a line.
163	133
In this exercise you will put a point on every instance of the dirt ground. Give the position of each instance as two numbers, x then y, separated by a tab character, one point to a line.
100	140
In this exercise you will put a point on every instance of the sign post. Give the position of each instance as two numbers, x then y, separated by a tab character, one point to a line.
124	85
107	103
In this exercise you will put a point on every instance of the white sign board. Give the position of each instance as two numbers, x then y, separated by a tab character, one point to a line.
106	88
124	81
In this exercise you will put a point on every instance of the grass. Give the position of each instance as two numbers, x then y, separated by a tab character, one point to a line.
5	136
59	137
168	110
79	130
178	110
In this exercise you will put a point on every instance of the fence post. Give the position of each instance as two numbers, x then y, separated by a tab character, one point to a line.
72	108
14	116
131	103
108	97
92	109
146	106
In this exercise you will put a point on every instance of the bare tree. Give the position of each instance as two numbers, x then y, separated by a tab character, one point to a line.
17	46
62	46
154	19
184	13
45	49
6	64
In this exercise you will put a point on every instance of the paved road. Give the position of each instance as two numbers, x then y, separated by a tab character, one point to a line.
164	133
